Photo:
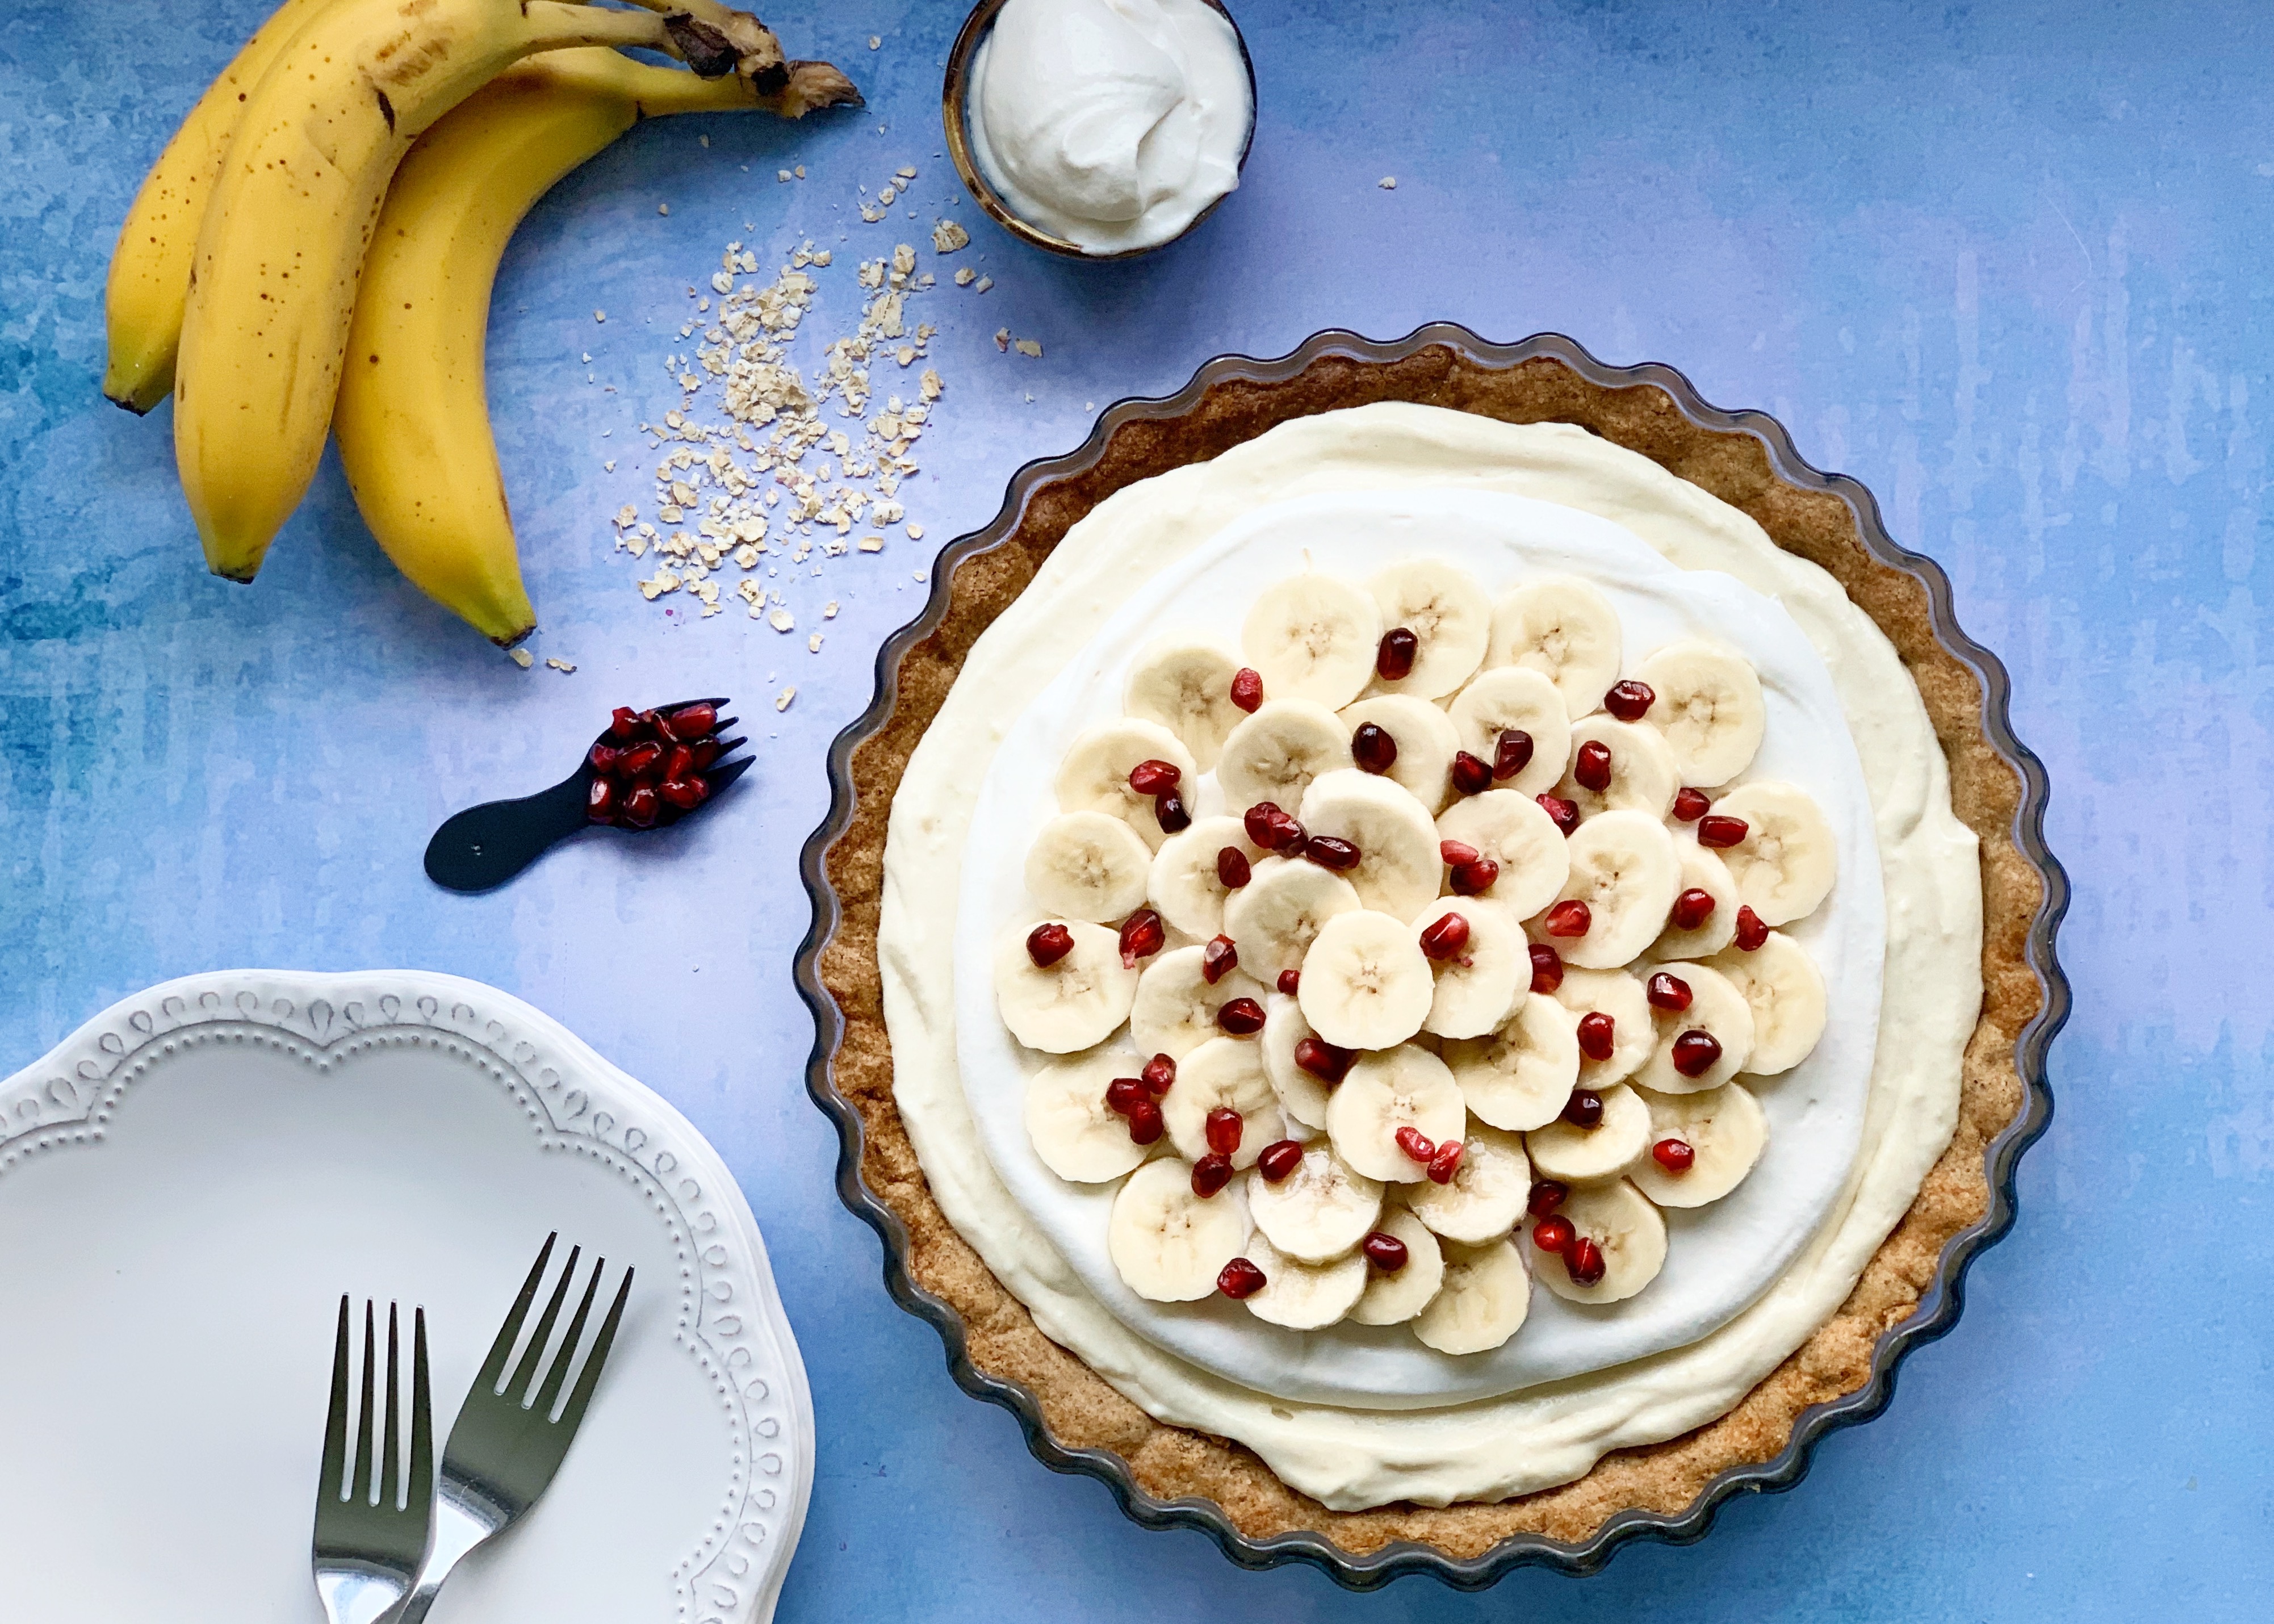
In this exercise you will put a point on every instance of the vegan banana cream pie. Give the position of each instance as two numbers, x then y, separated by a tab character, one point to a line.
1429	948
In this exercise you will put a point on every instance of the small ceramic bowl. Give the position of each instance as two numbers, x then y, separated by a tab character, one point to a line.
955	97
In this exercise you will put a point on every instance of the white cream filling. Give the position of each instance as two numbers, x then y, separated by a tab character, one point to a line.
1493	1446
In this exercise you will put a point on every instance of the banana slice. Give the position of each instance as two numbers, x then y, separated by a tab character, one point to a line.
1708	705
1094	776
1785	865
1447	613
1183	883
1072	1005
1313	637
1785	990
1279	913
1519	1076
1301	1095
1319	1211
1303	1297
1077	1134
1487	1293
1274	755
1626	1229
1088	865
1577	1156
1425	741
1398	870
1726	1131
1564	629
1222	1074
1717	1009
1403	1087
1624	869
1487	1195
1633	1034
1184	684
1174	1011
1392	1297
1365	983
1168	1244
1643	778
1480	983
1516	697
1701	870
1512	830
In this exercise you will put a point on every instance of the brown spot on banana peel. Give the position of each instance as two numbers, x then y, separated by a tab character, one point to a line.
386	110
703	47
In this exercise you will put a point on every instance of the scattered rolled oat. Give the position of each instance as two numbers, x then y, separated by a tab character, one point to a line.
915	532
875	40
872	544
599	315
561	665
782	621
1003	339
782	176
985	283
663	209
781	700
521	657
829	610
947	236
813	643
1388	182
1029	347
965	277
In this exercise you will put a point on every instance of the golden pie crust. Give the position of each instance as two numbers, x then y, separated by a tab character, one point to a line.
1079	1407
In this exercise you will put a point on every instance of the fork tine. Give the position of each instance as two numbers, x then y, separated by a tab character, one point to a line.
493	1366
390	1472
419	1492
590	1378
332	1474
517	1389
559	1372
720	777
360	1485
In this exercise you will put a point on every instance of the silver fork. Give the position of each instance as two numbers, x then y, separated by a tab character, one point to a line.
507	1443
371	1527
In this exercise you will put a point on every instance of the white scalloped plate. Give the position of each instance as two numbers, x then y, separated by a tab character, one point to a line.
189	1184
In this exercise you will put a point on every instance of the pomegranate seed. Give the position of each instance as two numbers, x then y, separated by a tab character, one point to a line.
1217	959
1547	1195
679	763
625	723
1717	830
1224	1129
1627	700
1124	1092
1547	967
1169	812
705	751
1231	868
652	724
1750	932
1238	1278
1475	878
685	793
1446	1163
1667	992
600	801
1416	1144
1511	752
1141	936
1210	1174
1592	768
1446	938
1690	805
694	721
1160	1071
1329	852
1585	1107
1584	1261
1470	776
640	806
1154	777
1271	828
1453	854
1673	1155
1373	748
1599	1035
1243	1018
1565	813
1692	908
1386	1253
1290	982
1695	1053
1145	1123
1553	1233
1247	689
1569	918
604	757
641	760
1279	1159
1393	660
1324	1060
1046	944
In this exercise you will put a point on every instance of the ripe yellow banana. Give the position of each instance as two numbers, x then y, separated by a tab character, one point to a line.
273	281
413	416
150	269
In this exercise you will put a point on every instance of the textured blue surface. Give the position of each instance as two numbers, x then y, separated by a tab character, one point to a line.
2004	263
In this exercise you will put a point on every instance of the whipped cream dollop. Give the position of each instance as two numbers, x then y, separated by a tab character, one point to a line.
1110	123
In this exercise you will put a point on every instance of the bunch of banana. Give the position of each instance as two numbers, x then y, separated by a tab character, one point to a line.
248	270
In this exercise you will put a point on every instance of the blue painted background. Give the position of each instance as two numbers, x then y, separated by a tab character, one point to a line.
2006	263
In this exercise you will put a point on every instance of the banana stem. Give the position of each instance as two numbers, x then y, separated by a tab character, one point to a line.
559	23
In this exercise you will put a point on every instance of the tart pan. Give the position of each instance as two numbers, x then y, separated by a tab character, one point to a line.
1909	1293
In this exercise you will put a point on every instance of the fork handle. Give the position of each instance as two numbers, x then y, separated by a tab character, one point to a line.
456	1533
483	846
